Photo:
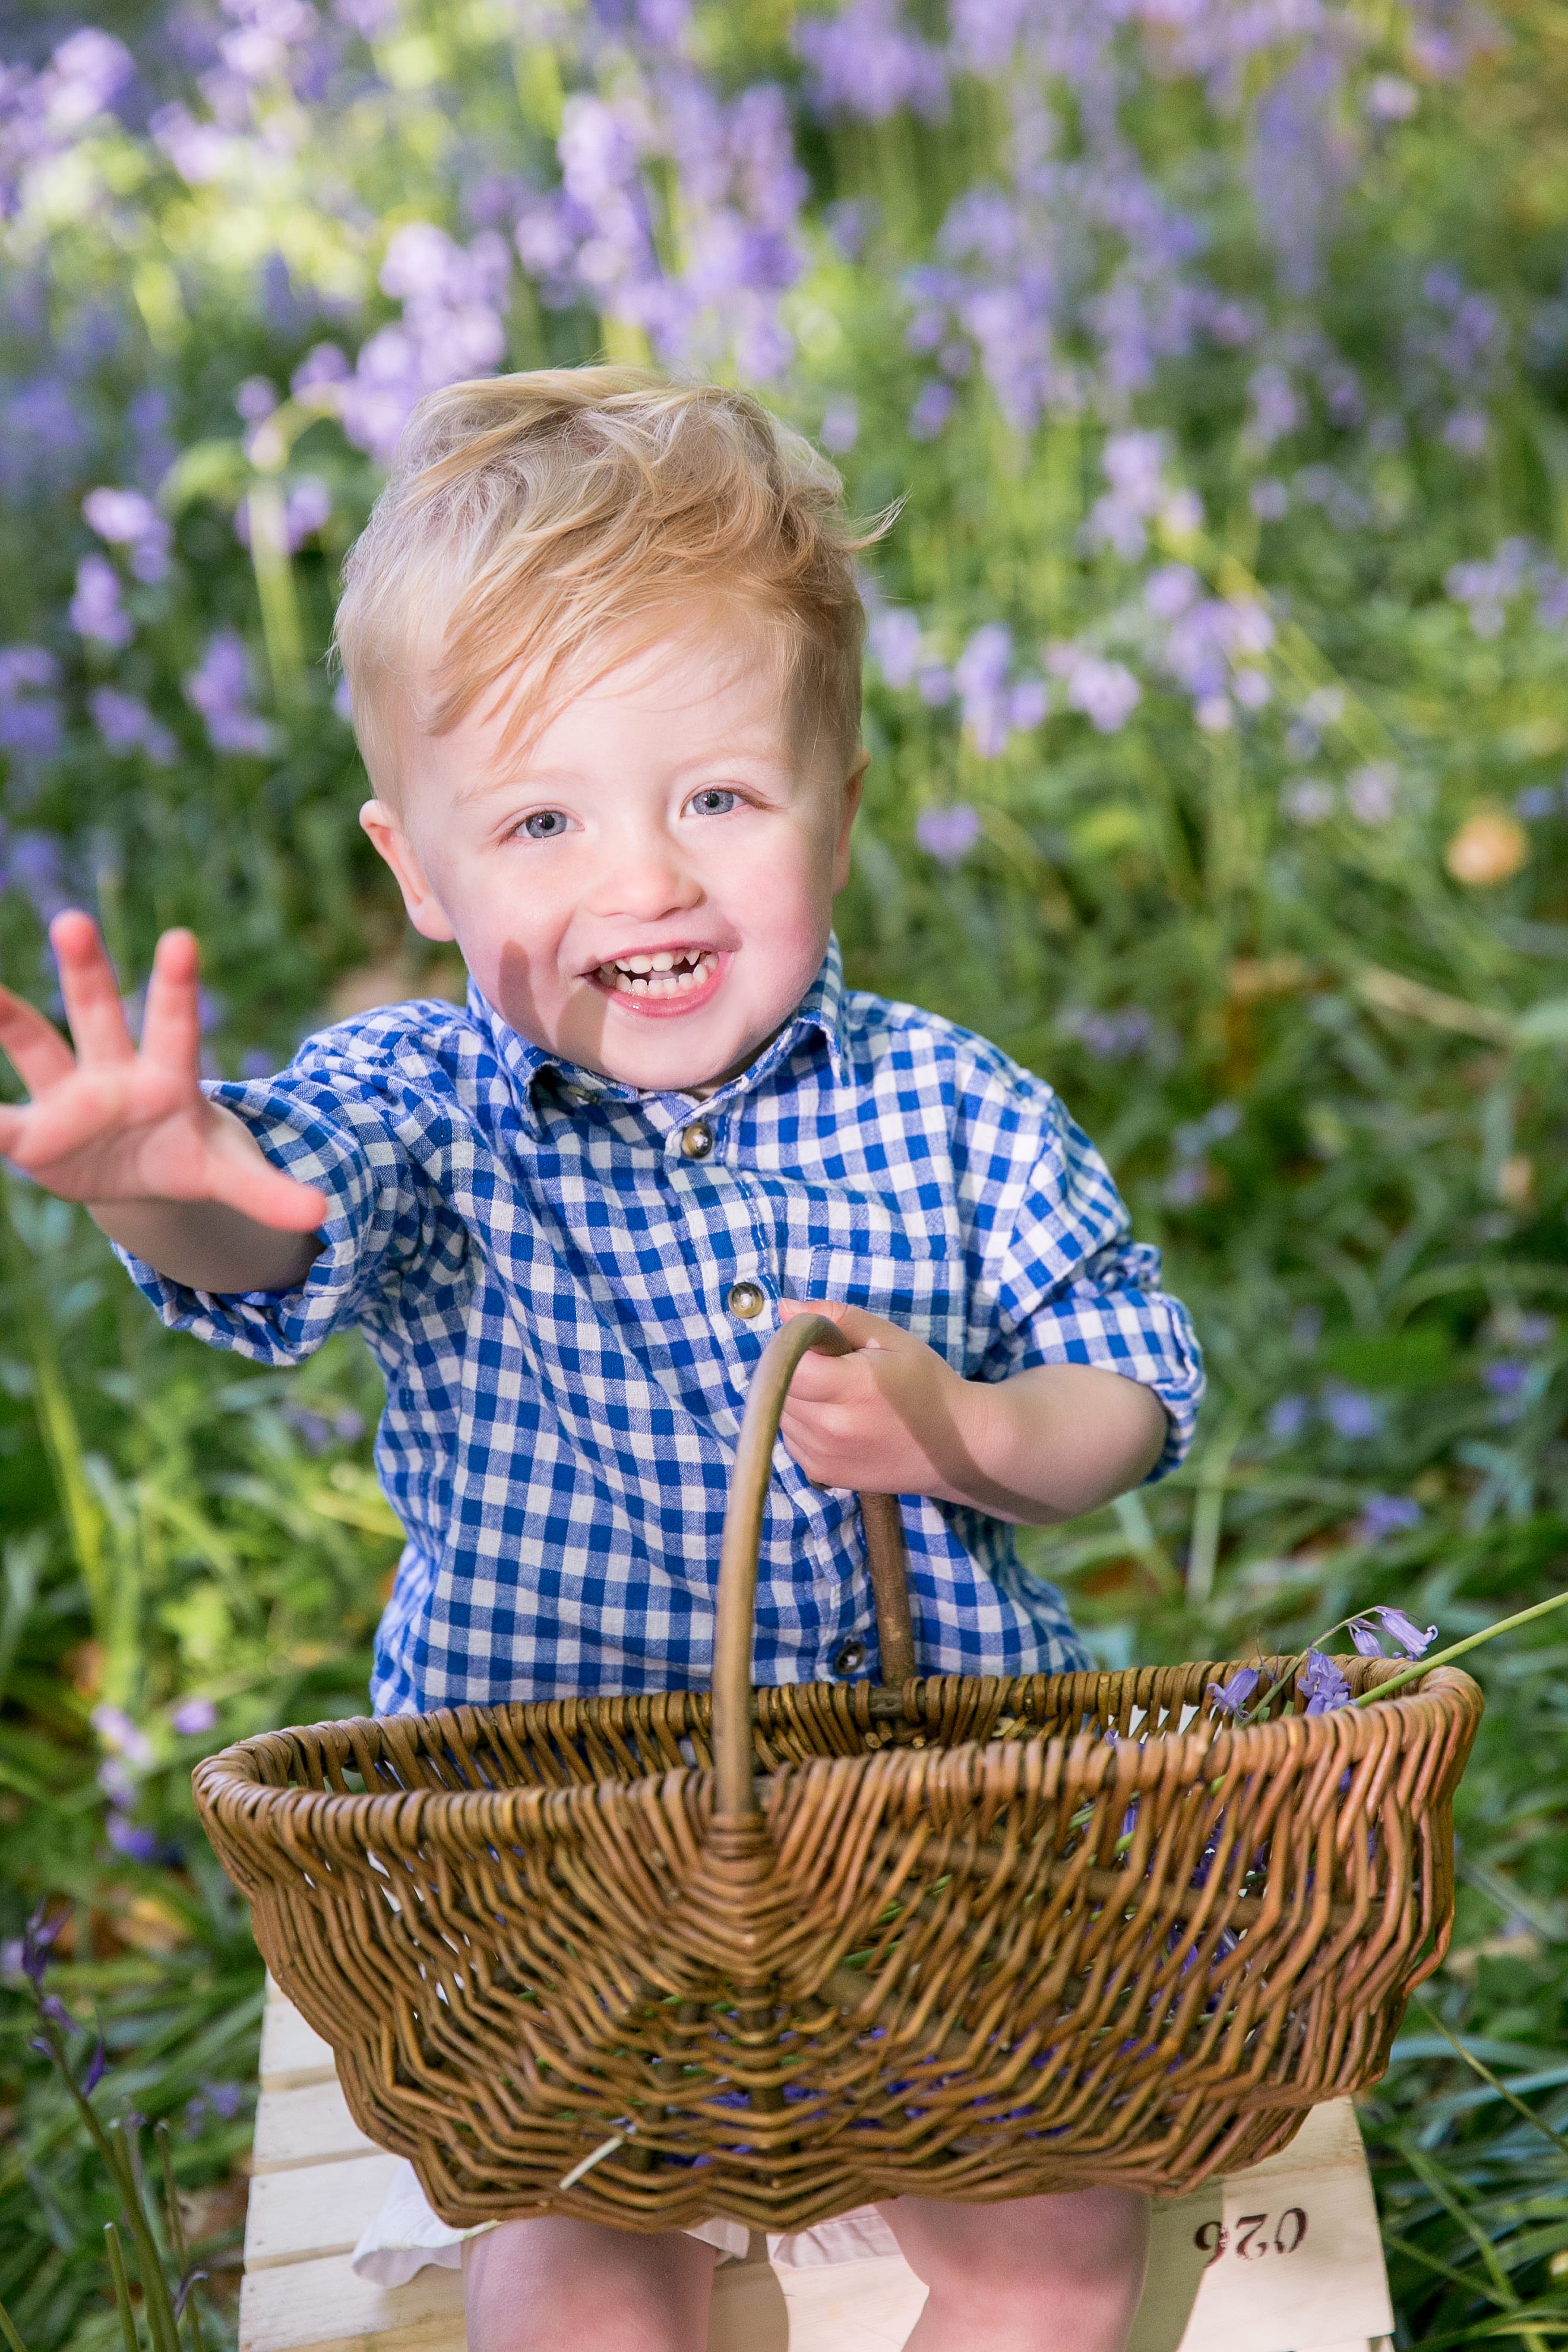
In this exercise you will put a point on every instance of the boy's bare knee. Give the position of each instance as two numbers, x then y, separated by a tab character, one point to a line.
536	2286
1075	2261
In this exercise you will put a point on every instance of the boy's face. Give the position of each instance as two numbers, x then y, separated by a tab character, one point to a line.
646	887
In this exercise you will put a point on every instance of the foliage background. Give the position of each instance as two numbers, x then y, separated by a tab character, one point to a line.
1220	713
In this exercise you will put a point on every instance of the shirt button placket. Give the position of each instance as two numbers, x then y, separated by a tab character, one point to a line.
697	1140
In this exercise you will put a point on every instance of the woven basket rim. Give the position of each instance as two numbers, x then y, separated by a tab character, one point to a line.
1197	1752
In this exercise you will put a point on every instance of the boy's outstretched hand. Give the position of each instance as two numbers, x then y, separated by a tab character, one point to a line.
128	1130
896	1419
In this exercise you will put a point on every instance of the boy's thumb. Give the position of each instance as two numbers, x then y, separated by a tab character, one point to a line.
862	1330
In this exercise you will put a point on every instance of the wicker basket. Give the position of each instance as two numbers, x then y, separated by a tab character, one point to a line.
774	1958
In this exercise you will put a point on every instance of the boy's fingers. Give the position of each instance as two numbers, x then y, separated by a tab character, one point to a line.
259	1190
91	991
861	1329
823	1380
172	1024
34	1047
69	1118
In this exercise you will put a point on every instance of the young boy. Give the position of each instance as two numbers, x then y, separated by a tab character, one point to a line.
603	640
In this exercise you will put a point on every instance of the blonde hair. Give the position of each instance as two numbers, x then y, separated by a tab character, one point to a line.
547	517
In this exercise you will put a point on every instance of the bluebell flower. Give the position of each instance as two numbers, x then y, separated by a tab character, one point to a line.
1387	1515
1322	1686
1350	1412
1233	1696
1288	1419
37	1940
947	834
129	1838
1397	1626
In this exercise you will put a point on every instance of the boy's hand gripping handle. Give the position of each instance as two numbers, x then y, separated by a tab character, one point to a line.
735	1791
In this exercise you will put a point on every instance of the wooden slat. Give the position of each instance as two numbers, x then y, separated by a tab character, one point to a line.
322	2305
313	2210
308	2126
292	2053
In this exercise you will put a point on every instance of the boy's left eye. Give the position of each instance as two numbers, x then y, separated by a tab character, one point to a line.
714	799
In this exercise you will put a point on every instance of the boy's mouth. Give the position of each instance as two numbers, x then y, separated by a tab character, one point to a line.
664	977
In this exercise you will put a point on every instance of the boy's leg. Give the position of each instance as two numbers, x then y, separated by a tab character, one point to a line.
559	2286
1035	2274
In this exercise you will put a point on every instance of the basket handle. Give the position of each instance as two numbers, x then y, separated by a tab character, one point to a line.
735	1791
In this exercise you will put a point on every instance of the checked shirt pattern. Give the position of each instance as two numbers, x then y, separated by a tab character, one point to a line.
544	1273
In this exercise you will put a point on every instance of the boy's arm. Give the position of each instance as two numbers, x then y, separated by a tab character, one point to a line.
174	1178
1046	1445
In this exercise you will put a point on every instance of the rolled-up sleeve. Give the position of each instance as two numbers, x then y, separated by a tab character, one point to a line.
311	1122
1073	1287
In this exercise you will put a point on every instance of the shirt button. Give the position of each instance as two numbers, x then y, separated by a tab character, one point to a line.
746	1300
849	1656
697	1142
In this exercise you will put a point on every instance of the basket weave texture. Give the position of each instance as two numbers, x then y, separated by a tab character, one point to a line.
970	1938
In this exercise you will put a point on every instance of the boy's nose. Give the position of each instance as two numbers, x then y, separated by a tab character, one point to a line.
645	878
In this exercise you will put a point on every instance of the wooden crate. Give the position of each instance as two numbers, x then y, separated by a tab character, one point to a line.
1315	2284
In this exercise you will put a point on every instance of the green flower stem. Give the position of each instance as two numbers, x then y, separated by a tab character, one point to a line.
122	2287
177	2231
281	627
8	2330
148	2259
1419	1666
113	2147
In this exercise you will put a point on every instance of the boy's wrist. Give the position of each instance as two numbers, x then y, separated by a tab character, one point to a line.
207	1245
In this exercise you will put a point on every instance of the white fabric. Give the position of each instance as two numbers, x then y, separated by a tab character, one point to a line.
406	2237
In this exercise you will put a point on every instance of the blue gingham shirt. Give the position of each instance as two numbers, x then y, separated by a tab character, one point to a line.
543	1274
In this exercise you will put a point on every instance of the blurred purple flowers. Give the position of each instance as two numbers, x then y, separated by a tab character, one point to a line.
193	1718
451	327
1106	692
220	690
1387	1515
95	610
1518	570
865	61
126	518
948	833
125	724
31	729
1351	1414
38	1940
1116	1036
220	2101
306	504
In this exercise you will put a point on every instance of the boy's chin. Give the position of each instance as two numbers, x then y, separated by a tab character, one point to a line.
663	1061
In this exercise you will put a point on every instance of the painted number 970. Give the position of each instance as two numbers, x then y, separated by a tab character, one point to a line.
1251	2241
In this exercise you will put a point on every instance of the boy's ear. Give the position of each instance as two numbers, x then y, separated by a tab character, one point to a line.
854	786
424	910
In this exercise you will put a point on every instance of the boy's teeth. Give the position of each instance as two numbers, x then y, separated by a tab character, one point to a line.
656	975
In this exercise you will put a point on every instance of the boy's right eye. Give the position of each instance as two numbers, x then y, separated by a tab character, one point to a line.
544	824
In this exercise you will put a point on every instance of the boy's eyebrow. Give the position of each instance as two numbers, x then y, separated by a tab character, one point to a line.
519	776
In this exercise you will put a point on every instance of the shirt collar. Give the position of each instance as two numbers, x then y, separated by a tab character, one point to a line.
819	1013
